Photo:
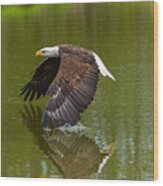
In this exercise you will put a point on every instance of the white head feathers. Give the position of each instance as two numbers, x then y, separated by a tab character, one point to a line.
50	51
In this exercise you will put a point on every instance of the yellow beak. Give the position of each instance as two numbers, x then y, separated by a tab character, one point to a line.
39	53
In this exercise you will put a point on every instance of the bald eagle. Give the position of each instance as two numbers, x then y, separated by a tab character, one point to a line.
69	76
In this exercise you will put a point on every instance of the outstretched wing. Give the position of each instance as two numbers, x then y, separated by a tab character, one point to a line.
41	80
72	90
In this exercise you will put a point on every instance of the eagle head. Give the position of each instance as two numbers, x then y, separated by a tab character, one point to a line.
48	52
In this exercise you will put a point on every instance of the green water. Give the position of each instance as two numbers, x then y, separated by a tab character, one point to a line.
122	111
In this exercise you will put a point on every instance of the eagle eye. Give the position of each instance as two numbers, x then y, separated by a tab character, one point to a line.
43	51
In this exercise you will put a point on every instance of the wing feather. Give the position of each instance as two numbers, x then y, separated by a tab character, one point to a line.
72	90
43	76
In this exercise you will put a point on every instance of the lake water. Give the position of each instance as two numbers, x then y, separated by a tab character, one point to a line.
121	114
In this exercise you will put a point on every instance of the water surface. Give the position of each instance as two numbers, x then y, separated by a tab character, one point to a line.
122	111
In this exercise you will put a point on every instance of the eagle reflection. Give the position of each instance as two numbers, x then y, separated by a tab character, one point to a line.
75	154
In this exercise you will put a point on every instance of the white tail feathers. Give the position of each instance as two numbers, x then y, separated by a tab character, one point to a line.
104	71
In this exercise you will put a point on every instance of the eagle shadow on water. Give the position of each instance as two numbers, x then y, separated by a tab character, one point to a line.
75	154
